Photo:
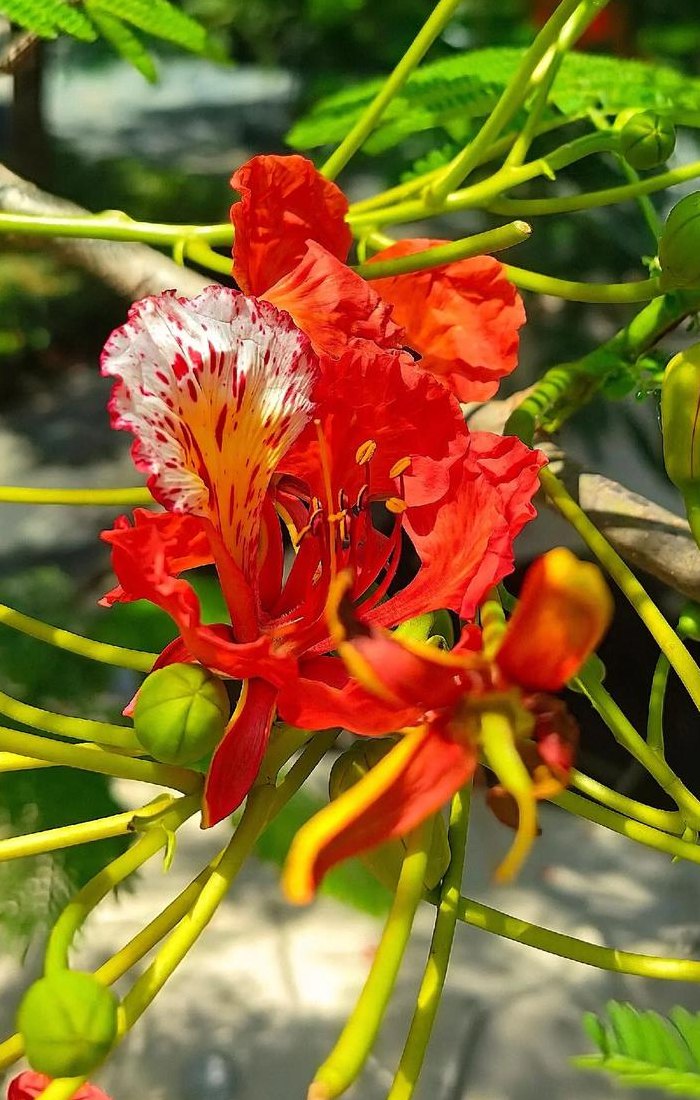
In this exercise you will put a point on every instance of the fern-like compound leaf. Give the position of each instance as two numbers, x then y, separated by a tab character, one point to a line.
645	1049
124	41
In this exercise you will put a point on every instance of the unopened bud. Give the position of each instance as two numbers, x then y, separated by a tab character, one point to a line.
647	139
68	1022
181	713
680	415
679	245
434	628
385	861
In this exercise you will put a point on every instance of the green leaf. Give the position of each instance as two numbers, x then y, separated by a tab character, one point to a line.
159	18
466	87
646	1049
125	42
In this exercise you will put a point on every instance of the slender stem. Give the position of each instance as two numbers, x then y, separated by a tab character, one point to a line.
78	729
81	905
480	244
569	947
483	193
567	204
205	256
113	228
657	697
93	758
641	290
67	836
668	821
76	643
626	735
14	762
262	803
62	1088
633	830
512	98
660	629
355	138
435	973
119	498
493	623
350	1053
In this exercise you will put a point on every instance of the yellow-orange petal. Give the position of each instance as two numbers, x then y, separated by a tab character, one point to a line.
564	609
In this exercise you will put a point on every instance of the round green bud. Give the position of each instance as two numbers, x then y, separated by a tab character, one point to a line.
647	139
181	713
68	1022
679	245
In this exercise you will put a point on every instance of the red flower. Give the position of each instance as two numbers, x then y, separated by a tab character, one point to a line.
564	610
28	1085
237	426
290	246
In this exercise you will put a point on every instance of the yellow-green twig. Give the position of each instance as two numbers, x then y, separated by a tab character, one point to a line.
76	643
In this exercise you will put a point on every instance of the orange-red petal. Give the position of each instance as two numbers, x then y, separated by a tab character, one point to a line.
408	785
285	202
564	609
463	318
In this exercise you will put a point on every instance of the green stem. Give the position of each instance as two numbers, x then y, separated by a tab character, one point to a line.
668	821
493	623
483	193
435	973
657	697
660	629
511	100
76	643
495	240
626	735
67	836
81	905
205	256
92	758
633	830
350	1053
355	138
611	293
567	204
119	498
569	947
77	729
262	803
582	378
123	228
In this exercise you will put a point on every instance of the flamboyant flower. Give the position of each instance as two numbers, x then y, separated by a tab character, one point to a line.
290	247
29	1085
251	442
461	703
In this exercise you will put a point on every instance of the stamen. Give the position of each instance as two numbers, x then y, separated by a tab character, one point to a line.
400	467
395	505
361	500
365	452
326	469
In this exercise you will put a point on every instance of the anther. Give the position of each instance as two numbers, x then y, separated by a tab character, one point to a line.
400	467
395	505
365	452
343	501
361	499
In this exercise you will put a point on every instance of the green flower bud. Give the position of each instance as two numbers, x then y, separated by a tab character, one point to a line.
647	139
385	861
181	713
680	415
434	627
68	1022
689	621
679	245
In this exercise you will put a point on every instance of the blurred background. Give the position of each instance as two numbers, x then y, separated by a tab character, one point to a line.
86	126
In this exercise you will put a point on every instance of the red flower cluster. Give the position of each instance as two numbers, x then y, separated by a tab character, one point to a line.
291	413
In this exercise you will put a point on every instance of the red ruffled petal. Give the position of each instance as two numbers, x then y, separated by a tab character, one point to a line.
463	318
564	609
409	784
465	540
285	202
184	544
333	305
236	762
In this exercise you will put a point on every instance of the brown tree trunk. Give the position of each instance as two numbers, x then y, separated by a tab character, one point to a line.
29	148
